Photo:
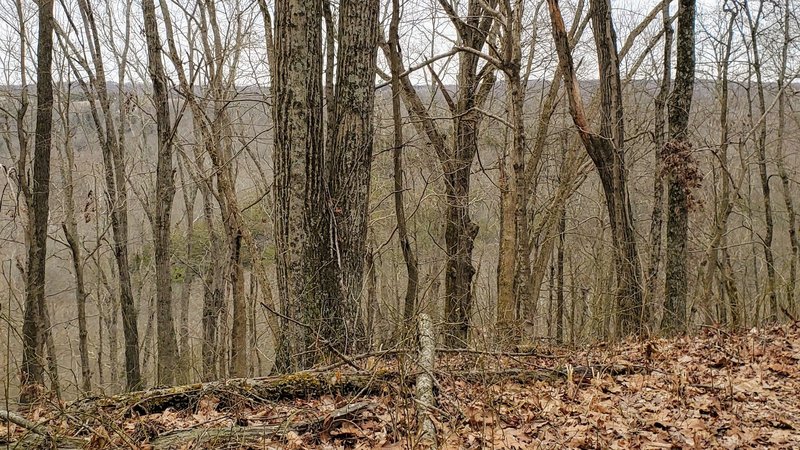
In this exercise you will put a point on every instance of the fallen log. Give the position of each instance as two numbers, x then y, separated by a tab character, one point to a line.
310	385
250	435
15	418
41	436
267	389
424	396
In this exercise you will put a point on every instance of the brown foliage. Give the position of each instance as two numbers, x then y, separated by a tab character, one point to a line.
680	164
717	390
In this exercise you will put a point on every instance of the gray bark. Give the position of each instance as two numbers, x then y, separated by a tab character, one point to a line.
34	330
681	168
165	193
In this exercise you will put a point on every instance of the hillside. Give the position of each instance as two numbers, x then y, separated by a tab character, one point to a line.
715	390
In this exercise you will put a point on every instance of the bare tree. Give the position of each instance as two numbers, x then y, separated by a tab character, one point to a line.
659	138
683	173
753	25
70	228
718	255
606	149
35	322
412	270
780	157
111	135
165	193
456	159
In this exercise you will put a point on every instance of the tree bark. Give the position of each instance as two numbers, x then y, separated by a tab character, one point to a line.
681	178
351	130
301	227
657	216
607	152
761	150
165	193
412	269
34	322
423	393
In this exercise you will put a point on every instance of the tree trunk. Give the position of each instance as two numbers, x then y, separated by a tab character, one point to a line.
761	150
34	322
70	228
560	278
456	162
213	292
515	238
724	206
190	271
350	155
412	270
460	230
301	230
165	193
111	144
682	174
506	268
607	152
781	144
657	216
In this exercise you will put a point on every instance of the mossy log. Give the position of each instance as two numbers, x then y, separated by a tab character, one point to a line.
310	385
293	386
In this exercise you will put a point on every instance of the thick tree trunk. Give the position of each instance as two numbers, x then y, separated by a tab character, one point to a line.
351	129
165	193
681	169
301	230
34	322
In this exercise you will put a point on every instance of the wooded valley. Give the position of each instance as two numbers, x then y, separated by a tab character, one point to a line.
195	191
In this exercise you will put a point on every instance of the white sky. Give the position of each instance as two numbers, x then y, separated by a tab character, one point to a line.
426	32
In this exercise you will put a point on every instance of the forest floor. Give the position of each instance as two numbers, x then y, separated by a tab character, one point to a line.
712	390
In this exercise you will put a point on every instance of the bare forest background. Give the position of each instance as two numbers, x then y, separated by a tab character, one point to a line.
239	187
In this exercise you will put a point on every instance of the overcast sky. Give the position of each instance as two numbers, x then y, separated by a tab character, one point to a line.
426	32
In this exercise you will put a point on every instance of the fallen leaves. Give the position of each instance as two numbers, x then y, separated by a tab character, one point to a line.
717	390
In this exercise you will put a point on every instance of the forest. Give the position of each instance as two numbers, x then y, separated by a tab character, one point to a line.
399	224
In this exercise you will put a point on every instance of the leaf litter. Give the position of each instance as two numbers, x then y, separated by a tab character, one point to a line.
712	390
